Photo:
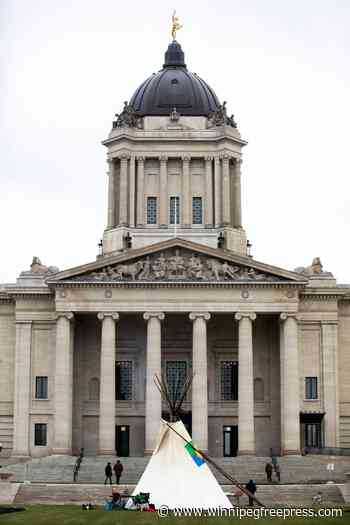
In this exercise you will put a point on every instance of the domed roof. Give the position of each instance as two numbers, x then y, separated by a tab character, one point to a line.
174	86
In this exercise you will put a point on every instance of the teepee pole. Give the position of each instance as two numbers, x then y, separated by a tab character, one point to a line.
218	468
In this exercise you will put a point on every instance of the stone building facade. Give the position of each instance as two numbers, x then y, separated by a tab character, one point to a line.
174	290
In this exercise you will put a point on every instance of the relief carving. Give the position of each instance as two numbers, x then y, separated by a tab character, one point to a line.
178	265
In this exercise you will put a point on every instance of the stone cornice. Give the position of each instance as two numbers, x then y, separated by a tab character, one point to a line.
192	135
324	295
174	284
29	291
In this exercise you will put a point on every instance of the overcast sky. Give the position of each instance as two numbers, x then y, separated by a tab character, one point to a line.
67	66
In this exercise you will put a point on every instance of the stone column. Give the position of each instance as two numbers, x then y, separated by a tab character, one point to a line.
153	410
63	401
111	195
163	193
208	206
132	191
107	384
290	397
200	380
22	390
226	190
217	191
246	432
140	192
123	203
329	333
237	206
186	220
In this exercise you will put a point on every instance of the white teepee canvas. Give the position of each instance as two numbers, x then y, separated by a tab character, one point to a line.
174	479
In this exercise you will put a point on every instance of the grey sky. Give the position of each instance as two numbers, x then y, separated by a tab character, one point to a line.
67	67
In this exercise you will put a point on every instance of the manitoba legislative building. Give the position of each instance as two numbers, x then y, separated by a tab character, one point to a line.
174	292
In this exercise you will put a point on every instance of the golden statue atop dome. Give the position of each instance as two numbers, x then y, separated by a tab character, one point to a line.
175	26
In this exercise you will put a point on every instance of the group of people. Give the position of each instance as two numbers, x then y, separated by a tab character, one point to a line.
118	470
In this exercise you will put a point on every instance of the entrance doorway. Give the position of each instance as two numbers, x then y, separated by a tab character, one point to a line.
230	440
122	440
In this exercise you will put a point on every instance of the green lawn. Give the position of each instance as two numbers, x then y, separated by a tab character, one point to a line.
73	515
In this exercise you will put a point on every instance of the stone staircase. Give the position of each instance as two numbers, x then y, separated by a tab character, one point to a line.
269	495
294	469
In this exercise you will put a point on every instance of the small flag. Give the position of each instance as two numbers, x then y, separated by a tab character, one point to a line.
196	456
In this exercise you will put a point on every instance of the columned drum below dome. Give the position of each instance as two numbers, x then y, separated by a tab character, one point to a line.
174	86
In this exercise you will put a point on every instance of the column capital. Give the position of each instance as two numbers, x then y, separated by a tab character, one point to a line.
163	158
140	158
124	157
241	315
199	315
285	315
185	158
226	157
239	161
67	315
103	315
159	315
208	158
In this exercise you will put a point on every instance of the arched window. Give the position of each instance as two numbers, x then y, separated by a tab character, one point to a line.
258	389
94	389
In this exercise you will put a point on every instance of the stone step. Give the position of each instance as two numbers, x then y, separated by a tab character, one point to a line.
293	469
270	495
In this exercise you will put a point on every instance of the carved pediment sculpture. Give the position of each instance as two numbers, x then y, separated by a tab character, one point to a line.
177	265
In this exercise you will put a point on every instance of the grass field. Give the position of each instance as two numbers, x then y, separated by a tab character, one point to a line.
74	515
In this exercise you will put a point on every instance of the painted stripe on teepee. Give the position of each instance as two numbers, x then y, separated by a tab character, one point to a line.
196	456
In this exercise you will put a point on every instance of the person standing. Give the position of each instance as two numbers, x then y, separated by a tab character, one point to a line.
268	470
118	470
251	486
108	473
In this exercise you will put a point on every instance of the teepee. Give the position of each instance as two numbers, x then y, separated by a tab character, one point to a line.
177	476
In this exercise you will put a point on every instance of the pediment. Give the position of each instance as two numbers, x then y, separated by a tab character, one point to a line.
174	261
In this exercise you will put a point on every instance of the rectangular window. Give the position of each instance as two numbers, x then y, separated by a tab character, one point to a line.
229	380
40	434
41	387
176	372
311	388
123	380
174	210
197	215
151	210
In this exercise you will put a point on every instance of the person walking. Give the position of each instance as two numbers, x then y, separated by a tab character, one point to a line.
108	473
251	486
278	472
118	470
268	470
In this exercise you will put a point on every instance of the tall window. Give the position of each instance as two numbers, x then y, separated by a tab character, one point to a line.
40	434
229	380
41	387
151	210
174	210
197	212
123	380
311	388
176	372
